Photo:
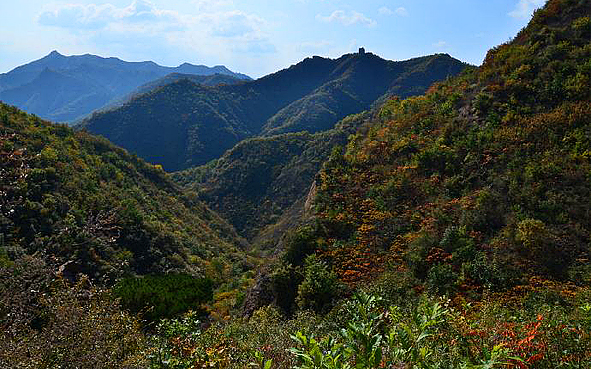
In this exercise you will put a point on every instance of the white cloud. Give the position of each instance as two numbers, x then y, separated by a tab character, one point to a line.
402	11
384	10
94	16
142	29
525	8
234	23
440	44
78	16
143	17
349	19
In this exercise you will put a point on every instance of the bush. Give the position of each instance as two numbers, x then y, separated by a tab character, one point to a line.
441	279
319	288
456	241
300	243
540	245
164	296
49	323
285	280
490	274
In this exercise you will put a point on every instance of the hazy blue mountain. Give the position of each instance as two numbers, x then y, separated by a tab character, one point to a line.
184	124
65	88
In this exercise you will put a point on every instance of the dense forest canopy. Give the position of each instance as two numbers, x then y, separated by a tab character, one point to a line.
84	200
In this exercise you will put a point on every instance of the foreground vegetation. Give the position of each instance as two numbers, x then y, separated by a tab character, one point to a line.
367	331
384	325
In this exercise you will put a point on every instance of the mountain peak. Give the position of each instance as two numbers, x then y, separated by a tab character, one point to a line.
54	54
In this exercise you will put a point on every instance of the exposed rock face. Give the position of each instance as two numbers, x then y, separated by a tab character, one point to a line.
260	295
310	200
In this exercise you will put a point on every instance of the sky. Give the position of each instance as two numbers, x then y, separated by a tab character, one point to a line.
256	37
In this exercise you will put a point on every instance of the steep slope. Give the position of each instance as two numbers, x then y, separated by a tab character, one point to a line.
484	182
201	123
258	180
481	186
98	80
97	209
360	81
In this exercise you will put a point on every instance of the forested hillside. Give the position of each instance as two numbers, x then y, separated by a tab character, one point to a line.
206	80
255	183
355	85
95	241
82	200
483	182
183	125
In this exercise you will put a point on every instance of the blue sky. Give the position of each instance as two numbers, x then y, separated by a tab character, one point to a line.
256	37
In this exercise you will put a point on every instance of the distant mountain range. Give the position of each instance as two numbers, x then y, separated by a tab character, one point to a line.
184	124
65	88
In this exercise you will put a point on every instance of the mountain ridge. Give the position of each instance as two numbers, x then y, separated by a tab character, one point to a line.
206	80
105	79
198	115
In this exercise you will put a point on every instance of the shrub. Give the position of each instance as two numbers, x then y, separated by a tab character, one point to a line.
540	245
456	241
300	243
285	280
489	273
164	296
441	279
320	286
49	323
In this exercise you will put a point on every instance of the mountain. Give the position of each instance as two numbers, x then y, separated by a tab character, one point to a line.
184	124
205	80
61	94
83	83
254	184
481	184
98	210
451	230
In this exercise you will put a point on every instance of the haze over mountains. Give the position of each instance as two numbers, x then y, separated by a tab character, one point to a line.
184	124
64	88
